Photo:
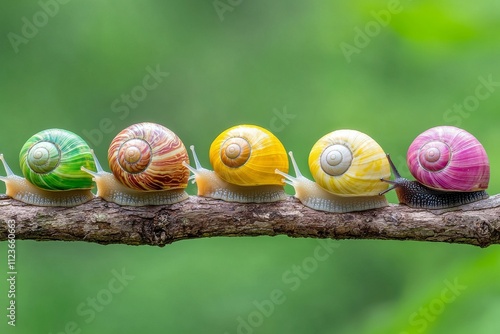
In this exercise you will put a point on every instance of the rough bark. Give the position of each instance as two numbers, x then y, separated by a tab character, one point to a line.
106	223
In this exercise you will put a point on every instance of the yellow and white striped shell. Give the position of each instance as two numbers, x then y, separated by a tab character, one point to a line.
148	156
248	155
349	163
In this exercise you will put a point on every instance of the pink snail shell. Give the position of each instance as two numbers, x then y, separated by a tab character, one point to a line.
449	158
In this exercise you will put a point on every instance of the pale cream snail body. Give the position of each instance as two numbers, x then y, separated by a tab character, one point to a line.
244	158
146	160
347	166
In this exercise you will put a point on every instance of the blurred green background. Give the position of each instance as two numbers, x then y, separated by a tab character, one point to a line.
389	69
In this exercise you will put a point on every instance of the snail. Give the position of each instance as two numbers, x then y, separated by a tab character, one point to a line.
146	163
451	167
347	166
50	162
244	158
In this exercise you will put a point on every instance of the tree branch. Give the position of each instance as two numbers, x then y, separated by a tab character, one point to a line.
107	223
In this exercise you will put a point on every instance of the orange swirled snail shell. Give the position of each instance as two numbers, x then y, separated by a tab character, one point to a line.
146	160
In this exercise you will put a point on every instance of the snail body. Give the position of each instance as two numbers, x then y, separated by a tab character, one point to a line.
347	166
450	166
244	158
146	163
50	162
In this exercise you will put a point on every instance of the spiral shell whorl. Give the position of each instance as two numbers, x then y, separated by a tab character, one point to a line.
235	152
434	156
335	160
449	158
43	157
148	156
248	155
51	160
349	163
134	155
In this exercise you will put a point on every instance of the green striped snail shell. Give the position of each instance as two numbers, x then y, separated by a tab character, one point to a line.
51	162
146	164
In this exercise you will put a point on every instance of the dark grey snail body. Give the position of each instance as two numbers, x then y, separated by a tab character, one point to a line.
416	195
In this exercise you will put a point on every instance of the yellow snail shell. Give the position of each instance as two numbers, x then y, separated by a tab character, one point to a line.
244	158
347	166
